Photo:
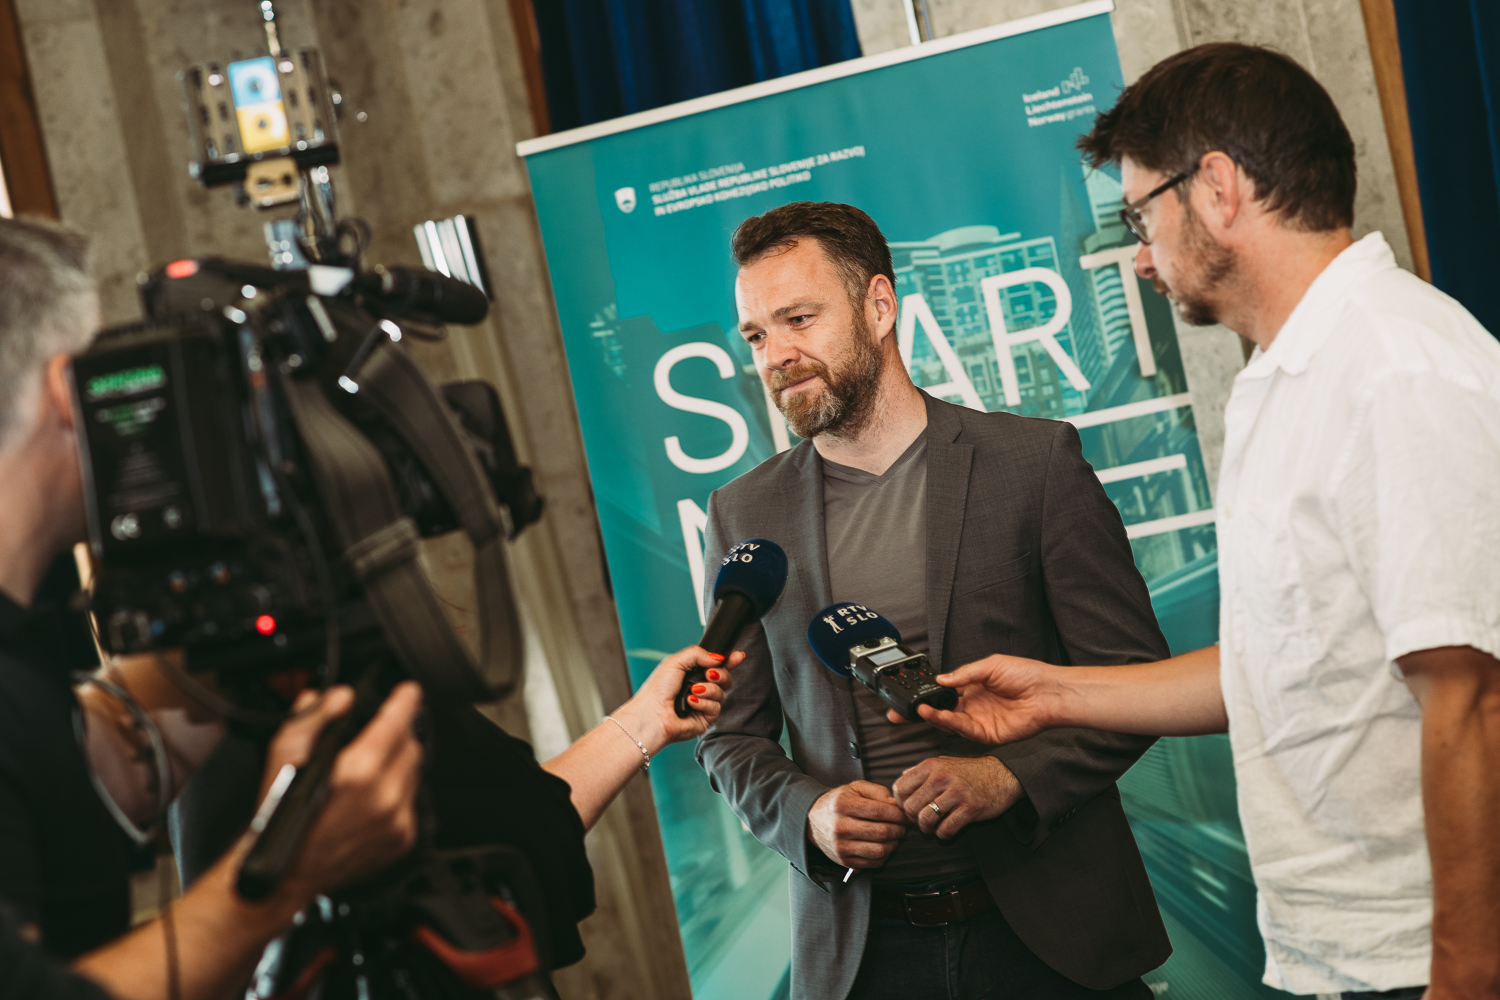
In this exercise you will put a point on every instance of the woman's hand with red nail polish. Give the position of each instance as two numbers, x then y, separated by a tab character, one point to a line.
652	707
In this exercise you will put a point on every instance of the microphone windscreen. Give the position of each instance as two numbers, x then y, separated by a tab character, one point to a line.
838	628
755	568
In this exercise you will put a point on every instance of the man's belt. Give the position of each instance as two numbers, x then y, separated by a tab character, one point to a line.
932	909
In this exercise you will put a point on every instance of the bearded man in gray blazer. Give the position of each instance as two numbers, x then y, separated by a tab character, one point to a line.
977	871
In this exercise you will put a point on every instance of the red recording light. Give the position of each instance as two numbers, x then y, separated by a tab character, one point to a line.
182	268
265	624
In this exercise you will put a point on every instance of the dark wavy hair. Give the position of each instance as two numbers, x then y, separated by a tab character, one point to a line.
1253	104
851	239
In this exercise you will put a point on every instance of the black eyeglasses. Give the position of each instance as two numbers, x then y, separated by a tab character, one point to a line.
1131	214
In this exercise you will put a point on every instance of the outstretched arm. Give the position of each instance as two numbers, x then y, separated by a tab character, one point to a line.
1003	699
1459	690
602	760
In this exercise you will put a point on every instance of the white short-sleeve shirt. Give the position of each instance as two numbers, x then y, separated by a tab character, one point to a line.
1358	520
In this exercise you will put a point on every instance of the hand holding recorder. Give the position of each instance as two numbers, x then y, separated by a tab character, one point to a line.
1000	699
854	641
1003	699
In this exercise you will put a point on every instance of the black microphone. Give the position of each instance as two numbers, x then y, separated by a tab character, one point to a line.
854	641
751	576
425	294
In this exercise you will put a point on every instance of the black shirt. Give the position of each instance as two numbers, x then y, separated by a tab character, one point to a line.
487	788
64	863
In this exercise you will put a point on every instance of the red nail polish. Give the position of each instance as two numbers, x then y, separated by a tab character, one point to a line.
713	675
717	656
692	698
699	689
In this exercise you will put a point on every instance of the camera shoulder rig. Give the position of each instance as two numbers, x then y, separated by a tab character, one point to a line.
380	540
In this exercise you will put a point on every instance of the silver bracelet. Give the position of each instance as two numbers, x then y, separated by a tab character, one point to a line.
644	752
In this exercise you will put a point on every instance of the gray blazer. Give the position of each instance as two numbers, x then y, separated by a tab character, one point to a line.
1026	555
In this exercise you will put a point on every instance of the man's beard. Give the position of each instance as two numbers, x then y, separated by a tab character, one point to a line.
1212	262
847	398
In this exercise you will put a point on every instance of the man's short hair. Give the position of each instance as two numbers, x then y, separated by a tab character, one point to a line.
851	240
1255	105
47	306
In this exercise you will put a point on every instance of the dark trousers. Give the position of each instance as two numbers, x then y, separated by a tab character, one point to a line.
1405	993
976	959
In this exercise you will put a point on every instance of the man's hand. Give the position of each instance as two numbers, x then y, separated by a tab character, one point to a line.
1001	699
369	818
964	789
858	825
367	822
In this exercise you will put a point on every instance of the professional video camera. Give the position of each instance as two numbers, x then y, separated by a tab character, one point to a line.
260	462
261	457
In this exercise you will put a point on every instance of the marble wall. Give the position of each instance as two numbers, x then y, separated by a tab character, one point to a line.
1325	36
434	103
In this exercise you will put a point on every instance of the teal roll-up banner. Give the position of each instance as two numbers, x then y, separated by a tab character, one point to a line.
1017	293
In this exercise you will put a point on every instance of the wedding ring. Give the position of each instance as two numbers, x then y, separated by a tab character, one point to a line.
935	808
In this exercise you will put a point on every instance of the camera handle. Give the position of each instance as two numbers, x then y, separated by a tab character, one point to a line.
284	819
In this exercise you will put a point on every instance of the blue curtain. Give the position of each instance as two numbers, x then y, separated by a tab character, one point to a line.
606	58
1450	56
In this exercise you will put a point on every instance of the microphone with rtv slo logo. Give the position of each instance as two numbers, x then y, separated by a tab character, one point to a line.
854	641
750	579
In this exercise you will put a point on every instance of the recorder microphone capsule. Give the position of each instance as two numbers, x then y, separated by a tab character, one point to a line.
854	641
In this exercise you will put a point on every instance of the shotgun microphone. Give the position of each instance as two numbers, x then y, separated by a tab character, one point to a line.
750	579
854	641
409	290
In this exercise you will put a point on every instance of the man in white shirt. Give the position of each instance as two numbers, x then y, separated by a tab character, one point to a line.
1359	544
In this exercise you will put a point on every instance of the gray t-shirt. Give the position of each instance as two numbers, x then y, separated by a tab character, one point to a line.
877	556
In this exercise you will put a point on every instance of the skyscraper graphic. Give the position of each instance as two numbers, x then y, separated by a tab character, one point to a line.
1106	198
1089	339
1147	456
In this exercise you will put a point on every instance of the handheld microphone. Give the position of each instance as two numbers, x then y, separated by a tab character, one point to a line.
750	580
409	290
854	641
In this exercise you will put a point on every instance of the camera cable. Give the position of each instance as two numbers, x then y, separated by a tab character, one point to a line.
157	747
165	792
